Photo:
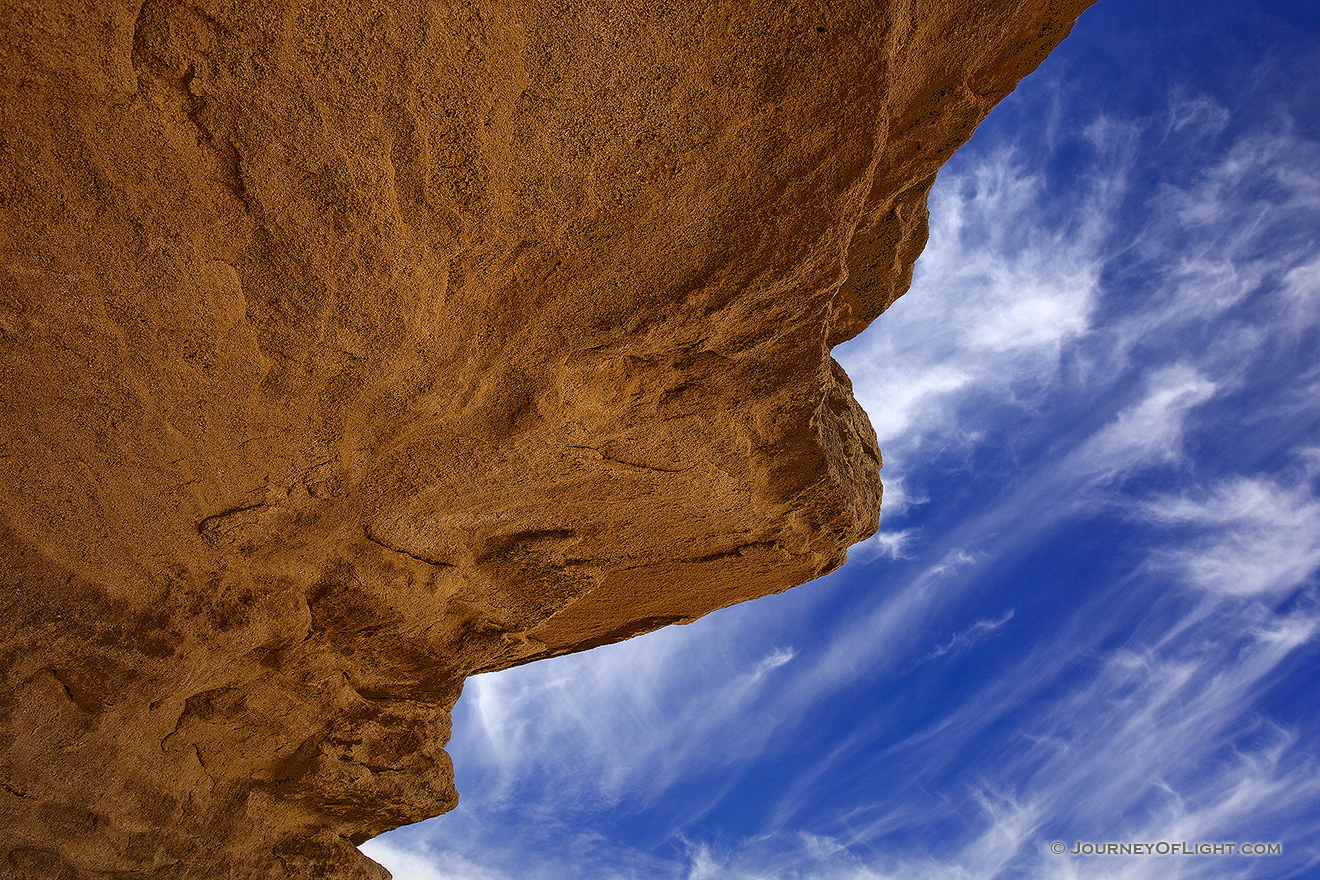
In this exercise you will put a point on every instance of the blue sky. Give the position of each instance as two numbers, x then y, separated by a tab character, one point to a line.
1091	613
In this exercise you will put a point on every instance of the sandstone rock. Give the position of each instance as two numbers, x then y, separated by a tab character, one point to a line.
349	349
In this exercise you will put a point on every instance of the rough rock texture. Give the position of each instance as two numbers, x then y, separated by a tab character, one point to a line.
350	348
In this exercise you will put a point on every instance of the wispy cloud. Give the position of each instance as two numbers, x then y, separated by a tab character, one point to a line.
891	545
626	721
1197	115
1157	743
775	659
898	497
1000	293
1241	228
421	862
1147	432
1249	536
1300	293
970	636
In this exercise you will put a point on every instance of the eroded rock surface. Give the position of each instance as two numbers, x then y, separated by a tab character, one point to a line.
348	349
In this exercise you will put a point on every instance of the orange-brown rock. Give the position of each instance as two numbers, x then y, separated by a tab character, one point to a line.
350	348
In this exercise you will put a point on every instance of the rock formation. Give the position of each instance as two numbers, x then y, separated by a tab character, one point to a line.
348	349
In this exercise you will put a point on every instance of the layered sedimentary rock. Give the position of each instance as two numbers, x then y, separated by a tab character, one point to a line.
348	349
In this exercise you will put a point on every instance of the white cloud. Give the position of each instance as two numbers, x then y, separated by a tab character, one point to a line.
1149	431
952	561
620	722
1253	536
995	296
1239	229
773	660
913	396
1135	751
970	636
1310	460
1301	294
1203	114
424	863
892	545
898	496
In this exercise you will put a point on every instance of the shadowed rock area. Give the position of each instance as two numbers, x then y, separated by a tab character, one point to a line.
348	349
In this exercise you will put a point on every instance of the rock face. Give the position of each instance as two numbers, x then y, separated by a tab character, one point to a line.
348	349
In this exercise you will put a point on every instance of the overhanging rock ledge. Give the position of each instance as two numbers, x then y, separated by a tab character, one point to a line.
350	348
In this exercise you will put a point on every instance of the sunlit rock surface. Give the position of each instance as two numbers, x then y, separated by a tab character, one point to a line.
348	349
